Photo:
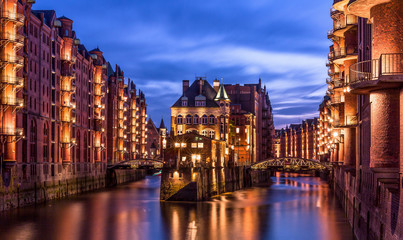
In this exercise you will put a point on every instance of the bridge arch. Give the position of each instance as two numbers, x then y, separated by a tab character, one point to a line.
292	163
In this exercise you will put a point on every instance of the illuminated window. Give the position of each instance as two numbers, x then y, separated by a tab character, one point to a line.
194	145
200	145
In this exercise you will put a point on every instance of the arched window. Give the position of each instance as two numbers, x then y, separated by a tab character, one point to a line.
196	119
212	134
204	120
32	138
204	133
85	148
78	149
179	119
211	119
45	142
188	119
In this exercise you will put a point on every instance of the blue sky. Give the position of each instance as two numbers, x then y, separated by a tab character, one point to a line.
158	43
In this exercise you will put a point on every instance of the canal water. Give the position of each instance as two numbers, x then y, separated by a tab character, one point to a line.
295	207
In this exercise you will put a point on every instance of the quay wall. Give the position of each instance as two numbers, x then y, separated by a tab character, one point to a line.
201	184
21	195
372	200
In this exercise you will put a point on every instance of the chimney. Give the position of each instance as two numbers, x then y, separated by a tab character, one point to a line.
216	84
201	86
185	86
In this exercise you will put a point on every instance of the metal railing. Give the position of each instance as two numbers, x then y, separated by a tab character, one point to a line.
391	64
350	120
338	83
66	88
12	80
12	101
12	131
13	37
17	17
336	100
12	59
387	65
348	21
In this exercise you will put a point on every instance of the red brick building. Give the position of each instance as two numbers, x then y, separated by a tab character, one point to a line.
60	103
365	117
252	133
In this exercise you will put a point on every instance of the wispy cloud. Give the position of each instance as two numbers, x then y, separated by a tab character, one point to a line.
162	42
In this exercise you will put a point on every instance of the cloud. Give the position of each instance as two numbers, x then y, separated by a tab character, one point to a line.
158	43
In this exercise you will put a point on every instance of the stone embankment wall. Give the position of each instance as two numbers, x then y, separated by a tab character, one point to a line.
374	207
187	184
40	192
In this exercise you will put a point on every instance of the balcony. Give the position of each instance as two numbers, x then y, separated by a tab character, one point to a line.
99	93
335	100
67	88
12	101
387	71
16	60
12	16
17	39
338	83
342	54
17	81
362	8
349	121
12	131
68	58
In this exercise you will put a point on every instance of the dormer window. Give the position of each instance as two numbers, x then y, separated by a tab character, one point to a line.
184	100
200	103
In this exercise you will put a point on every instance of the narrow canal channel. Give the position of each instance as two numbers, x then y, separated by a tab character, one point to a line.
296	207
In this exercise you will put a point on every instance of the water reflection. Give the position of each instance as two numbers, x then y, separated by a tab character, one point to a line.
295	207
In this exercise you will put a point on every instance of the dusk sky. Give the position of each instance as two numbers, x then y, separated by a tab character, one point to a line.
158	43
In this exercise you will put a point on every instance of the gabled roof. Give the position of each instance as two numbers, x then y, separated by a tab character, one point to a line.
194	90
47	15
222	94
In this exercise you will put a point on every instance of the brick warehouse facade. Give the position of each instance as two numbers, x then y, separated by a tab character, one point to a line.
360	125
59	103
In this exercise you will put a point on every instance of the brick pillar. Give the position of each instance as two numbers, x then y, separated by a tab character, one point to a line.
385	128
9	152
341	152
349	146
66	154
387	28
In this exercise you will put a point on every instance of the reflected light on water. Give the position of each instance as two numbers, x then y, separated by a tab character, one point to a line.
294	207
